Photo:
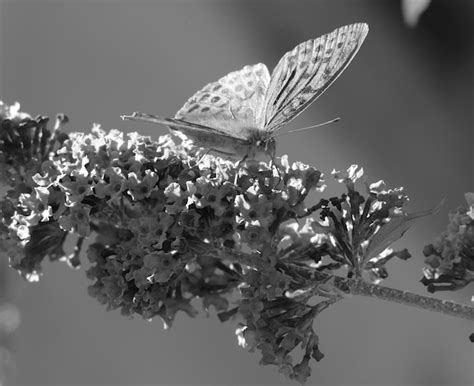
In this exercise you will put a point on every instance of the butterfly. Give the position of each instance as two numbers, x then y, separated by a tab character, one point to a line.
238	115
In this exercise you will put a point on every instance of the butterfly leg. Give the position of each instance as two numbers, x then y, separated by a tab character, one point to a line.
238	169
205	154
273	165
218	165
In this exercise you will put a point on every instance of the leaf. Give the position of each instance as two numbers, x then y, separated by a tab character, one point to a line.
395	229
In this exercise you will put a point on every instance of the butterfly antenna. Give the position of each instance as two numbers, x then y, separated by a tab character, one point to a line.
309	127
143	117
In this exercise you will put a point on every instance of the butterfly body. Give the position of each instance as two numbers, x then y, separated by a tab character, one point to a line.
238	115
252	144
255	145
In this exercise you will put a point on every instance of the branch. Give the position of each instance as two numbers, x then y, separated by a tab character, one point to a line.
359	287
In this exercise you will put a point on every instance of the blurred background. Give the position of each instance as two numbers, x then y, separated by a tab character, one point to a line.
406	106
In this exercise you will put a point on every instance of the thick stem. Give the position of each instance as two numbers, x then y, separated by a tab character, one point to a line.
359	287
362	288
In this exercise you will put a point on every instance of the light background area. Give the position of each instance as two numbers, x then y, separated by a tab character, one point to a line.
405	103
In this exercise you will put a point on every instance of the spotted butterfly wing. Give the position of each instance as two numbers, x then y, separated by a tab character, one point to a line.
222	115
305	72
233	104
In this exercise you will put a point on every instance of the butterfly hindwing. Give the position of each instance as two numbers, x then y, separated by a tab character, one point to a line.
201	135
232	104
305	72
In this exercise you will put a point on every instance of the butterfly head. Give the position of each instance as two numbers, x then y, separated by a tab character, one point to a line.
269	145
263	145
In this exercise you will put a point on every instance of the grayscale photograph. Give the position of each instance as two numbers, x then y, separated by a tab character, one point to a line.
236	192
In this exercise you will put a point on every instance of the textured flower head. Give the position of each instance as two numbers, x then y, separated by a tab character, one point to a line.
450	259
12	112
355	229
172	224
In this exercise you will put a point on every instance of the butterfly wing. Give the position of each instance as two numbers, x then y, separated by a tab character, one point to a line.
203	136
231	105
223	115
304	73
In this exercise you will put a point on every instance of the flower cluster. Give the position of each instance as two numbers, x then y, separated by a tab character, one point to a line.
172	224
278	320
26	232
354	231
450	259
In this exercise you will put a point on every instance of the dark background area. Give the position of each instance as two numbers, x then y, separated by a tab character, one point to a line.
406	106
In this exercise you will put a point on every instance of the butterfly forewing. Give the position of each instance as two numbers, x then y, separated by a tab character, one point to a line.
305	72
232	104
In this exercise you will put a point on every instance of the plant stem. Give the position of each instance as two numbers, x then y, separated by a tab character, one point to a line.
362	288
359	287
